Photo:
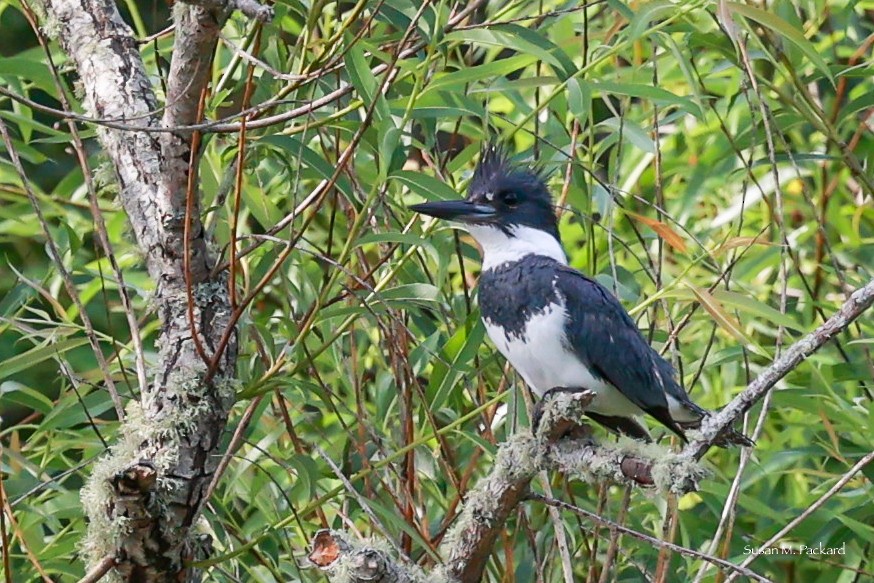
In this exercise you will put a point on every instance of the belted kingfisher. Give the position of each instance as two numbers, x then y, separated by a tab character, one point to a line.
560	329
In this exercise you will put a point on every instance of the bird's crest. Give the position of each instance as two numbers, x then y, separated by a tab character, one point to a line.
497	168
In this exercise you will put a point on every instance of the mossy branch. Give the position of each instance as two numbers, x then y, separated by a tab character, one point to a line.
562	444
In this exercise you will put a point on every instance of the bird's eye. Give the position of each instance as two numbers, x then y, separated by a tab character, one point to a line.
508	197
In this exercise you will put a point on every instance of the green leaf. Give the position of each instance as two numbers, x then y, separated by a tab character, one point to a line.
310	158
458	80
725	321
459	351
579	99
754	307
793	35
70	411
393	237
653	10
265	211
363	80
860	103
37	354
631	132
654	94
426	186
13	392
438	105
411	292
390	147
15	68
520	39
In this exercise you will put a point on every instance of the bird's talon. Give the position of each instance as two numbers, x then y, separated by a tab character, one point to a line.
566	416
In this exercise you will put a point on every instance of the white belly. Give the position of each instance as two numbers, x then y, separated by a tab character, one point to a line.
542	358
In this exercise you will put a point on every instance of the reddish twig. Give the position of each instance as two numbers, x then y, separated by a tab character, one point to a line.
193	164
99	570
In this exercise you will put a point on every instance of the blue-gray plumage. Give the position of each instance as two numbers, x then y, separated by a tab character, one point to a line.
560	329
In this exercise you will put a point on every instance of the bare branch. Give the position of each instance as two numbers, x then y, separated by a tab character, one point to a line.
715	425
563	445
377	523
469	543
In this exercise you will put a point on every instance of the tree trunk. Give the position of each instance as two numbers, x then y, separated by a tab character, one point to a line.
144	497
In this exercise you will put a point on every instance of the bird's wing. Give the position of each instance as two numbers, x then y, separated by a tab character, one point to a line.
605	337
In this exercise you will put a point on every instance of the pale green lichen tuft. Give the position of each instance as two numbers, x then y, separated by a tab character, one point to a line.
185	385
48	22
160	436
343	570
208	293
517	461
670	472
518	457
105	179
104	533
678	475
79	91
439	575
693	434
454	537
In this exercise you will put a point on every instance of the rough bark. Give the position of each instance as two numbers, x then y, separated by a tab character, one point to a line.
145	496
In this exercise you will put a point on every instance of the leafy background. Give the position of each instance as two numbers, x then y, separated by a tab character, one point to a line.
711	163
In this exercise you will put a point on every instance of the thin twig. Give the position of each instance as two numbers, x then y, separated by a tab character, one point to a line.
4	535
362	502
65	275
6	509
615	537
809	510
99	570
238	181
650	539
236	440
561	538
190	194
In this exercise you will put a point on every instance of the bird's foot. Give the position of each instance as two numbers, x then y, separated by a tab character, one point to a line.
559	412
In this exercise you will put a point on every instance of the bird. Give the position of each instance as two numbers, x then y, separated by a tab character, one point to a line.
559	328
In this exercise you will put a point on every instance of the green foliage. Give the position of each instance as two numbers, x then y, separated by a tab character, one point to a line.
365	346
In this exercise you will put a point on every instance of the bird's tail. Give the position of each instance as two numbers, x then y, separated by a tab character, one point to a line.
728	437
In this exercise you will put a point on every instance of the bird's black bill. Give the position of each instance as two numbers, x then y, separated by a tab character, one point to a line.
456	210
